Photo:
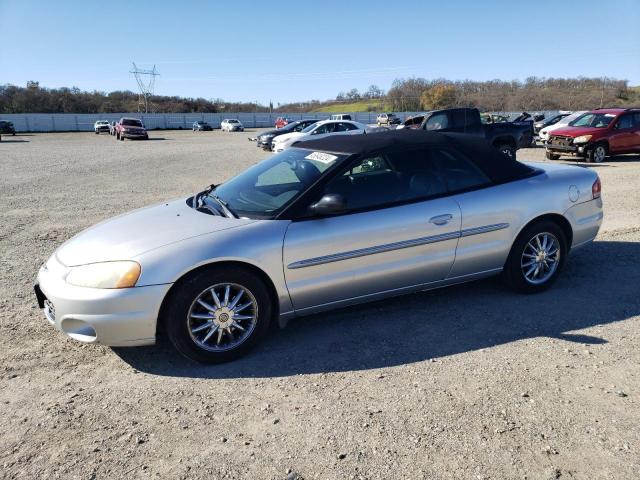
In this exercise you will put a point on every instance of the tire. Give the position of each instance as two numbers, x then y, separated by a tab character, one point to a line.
507	150
516	267
96	132
121	138
551	156
597	154
183	303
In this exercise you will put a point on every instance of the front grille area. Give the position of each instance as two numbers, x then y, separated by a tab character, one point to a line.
560	140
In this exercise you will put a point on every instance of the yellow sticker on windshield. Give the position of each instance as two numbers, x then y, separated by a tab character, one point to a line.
321	157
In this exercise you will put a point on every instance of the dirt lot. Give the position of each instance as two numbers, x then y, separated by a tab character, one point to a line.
470	382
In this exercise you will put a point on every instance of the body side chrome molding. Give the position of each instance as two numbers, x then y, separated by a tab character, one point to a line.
446	282
336	257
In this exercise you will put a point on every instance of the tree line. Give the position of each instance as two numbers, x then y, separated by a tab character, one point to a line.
405	94
498	95
36	99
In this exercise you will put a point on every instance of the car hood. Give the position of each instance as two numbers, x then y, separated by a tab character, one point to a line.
129	235
271	132
576	131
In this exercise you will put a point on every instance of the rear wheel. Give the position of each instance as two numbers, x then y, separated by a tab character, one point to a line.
597	154
536	257
551	156
218	314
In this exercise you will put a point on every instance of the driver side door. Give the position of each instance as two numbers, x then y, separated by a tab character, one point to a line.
400	231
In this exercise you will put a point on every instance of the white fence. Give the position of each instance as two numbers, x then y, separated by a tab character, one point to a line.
71	122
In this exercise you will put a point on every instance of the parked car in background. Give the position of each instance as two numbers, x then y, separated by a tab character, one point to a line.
507	137
101	126
265	139
112	128
131	128
414	122
597	134
231	125
282	121
318	130
7	128
387	119
547	122
201	126
309	230
340	116
543	134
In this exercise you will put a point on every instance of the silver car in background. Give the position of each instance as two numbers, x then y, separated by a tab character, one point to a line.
333	222
231	125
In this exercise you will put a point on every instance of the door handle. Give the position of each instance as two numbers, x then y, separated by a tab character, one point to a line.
441	219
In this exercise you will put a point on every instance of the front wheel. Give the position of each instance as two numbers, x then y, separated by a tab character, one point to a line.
536	257
218	314
551	156
596	154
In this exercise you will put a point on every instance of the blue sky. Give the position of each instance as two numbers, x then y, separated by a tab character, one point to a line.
288	51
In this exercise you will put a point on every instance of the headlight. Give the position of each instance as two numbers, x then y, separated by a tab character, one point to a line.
582	139
123	274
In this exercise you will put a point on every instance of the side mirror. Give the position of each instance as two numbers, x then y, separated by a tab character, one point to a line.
329	204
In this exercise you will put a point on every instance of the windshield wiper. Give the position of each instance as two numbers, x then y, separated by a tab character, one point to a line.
197	198
225	206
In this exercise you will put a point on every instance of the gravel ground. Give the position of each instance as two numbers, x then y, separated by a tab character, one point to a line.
469	382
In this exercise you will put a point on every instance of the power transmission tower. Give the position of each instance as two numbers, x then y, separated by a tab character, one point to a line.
145	85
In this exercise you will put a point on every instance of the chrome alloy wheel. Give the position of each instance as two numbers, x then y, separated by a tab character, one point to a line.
540	258
222	317
599	154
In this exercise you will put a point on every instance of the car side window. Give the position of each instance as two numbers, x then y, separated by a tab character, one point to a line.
636	121
322	129
345	127
438	121
378	181
625	121
459	173
459	118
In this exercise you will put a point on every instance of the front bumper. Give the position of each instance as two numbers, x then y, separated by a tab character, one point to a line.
113	317
264	144
566	149
134	134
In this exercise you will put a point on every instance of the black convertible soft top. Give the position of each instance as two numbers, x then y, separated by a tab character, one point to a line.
498	166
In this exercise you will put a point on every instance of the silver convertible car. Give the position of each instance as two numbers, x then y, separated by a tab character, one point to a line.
333	222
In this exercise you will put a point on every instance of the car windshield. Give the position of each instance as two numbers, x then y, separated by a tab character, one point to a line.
132	122
232	121
310	128
595	120
265	189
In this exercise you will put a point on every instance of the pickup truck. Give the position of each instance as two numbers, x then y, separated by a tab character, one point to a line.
507	137
130	128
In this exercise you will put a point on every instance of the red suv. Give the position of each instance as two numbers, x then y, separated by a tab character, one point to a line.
598	134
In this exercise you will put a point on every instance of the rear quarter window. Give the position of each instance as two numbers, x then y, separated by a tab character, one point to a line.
458	172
